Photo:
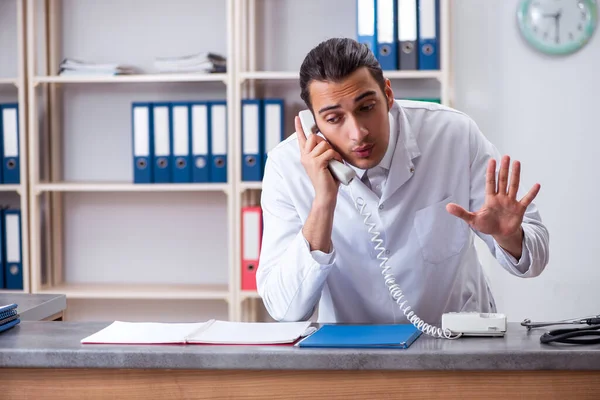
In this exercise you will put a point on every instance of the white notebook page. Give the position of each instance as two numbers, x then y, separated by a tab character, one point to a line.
144	333
229	332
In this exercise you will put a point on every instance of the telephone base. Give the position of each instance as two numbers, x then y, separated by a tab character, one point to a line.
475	323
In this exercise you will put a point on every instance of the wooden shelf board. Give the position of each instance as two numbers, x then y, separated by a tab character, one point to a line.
250	186
249	294
129	187
141	78
139	291
9	81
10	188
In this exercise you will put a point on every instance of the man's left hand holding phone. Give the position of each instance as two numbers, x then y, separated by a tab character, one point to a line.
315	154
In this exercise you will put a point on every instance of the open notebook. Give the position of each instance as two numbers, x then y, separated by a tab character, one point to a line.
210	332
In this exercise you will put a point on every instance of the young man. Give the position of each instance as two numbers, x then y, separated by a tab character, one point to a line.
427	177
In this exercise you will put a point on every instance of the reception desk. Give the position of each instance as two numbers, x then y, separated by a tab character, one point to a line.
45	360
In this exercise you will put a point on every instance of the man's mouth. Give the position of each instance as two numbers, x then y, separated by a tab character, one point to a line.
364	151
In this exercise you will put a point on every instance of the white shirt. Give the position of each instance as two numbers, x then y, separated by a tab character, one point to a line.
440	156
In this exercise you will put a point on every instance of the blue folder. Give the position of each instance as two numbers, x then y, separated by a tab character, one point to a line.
399	336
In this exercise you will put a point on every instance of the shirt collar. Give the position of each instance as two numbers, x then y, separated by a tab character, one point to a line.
386	161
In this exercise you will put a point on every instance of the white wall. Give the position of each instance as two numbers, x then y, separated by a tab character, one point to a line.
543	112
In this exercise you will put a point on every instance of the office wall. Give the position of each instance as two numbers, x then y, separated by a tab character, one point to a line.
542	111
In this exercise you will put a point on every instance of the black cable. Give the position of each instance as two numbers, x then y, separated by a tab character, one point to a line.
571	335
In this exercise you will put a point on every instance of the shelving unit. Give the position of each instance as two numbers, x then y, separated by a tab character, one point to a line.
255	69
19	83
250	81
47	150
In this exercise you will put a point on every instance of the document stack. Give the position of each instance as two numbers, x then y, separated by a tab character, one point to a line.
70	66
9	317
205	62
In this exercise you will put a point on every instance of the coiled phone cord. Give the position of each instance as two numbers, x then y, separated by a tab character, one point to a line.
393	287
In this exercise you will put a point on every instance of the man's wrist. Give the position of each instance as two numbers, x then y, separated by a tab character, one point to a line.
513	244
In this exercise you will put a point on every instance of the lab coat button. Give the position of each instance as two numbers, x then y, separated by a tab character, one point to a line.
387	252
381	206
412	169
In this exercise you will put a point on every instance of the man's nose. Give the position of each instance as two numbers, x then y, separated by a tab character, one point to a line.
357	131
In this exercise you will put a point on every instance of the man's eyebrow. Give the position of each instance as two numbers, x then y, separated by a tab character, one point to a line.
356	99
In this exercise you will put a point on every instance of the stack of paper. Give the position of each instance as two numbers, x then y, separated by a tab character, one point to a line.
205	62
210	332
9	317
71	66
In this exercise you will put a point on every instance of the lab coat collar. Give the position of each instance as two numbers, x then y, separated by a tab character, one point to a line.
402	168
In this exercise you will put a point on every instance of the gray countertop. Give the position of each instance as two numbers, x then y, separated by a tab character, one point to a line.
57	345
35	307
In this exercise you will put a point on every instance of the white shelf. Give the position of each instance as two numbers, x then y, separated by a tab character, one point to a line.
140	291
129	187
249	294
294	75
10	188
250	186
147	78
7	291
9	81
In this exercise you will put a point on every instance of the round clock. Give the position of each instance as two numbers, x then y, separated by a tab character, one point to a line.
557	27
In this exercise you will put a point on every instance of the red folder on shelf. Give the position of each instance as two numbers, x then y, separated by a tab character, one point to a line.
251	242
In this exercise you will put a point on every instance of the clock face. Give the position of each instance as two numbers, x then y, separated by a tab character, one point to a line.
557	26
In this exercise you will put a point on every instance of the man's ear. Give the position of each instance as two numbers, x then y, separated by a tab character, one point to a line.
389	93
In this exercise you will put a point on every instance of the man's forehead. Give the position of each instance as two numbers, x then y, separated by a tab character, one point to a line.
349	88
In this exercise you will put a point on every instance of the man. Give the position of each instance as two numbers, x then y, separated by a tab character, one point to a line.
426	176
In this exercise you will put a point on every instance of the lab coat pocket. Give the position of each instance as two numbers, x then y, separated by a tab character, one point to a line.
441	235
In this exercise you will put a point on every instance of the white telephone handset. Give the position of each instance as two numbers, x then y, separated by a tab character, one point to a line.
342	172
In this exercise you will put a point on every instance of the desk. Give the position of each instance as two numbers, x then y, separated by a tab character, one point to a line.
46	360
37	307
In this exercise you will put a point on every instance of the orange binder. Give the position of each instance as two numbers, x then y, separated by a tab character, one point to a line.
251	243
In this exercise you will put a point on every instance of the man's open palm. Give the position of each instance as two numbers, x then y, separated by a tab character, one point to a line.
501	214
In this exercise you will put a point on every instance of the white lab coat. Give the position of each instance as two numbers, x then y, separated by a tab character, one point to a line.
440	157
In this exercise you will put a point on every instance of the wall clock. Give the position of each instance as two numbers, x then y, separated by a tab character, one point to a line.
557	27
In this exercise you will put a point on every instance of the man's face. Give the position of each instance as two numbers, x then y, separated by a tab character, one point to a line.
353	117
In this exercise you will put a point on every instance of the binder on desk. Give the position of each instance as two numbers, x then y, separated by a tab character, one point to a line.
200	138
251	243
181	168
366	23
399	336
11	166
162	126
387	42
218	132
13	270
407	34
252	140
273	125
429	34
9	316
141	120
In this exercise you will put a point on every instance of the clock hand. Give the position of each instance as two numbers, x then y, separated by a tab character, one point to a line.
557	23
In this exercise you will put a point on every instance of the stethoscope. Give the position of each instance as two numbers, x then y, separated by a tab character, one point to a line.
569	335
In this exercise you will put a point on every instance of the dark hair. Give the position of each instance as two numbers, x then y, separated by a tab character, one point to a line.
335	59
